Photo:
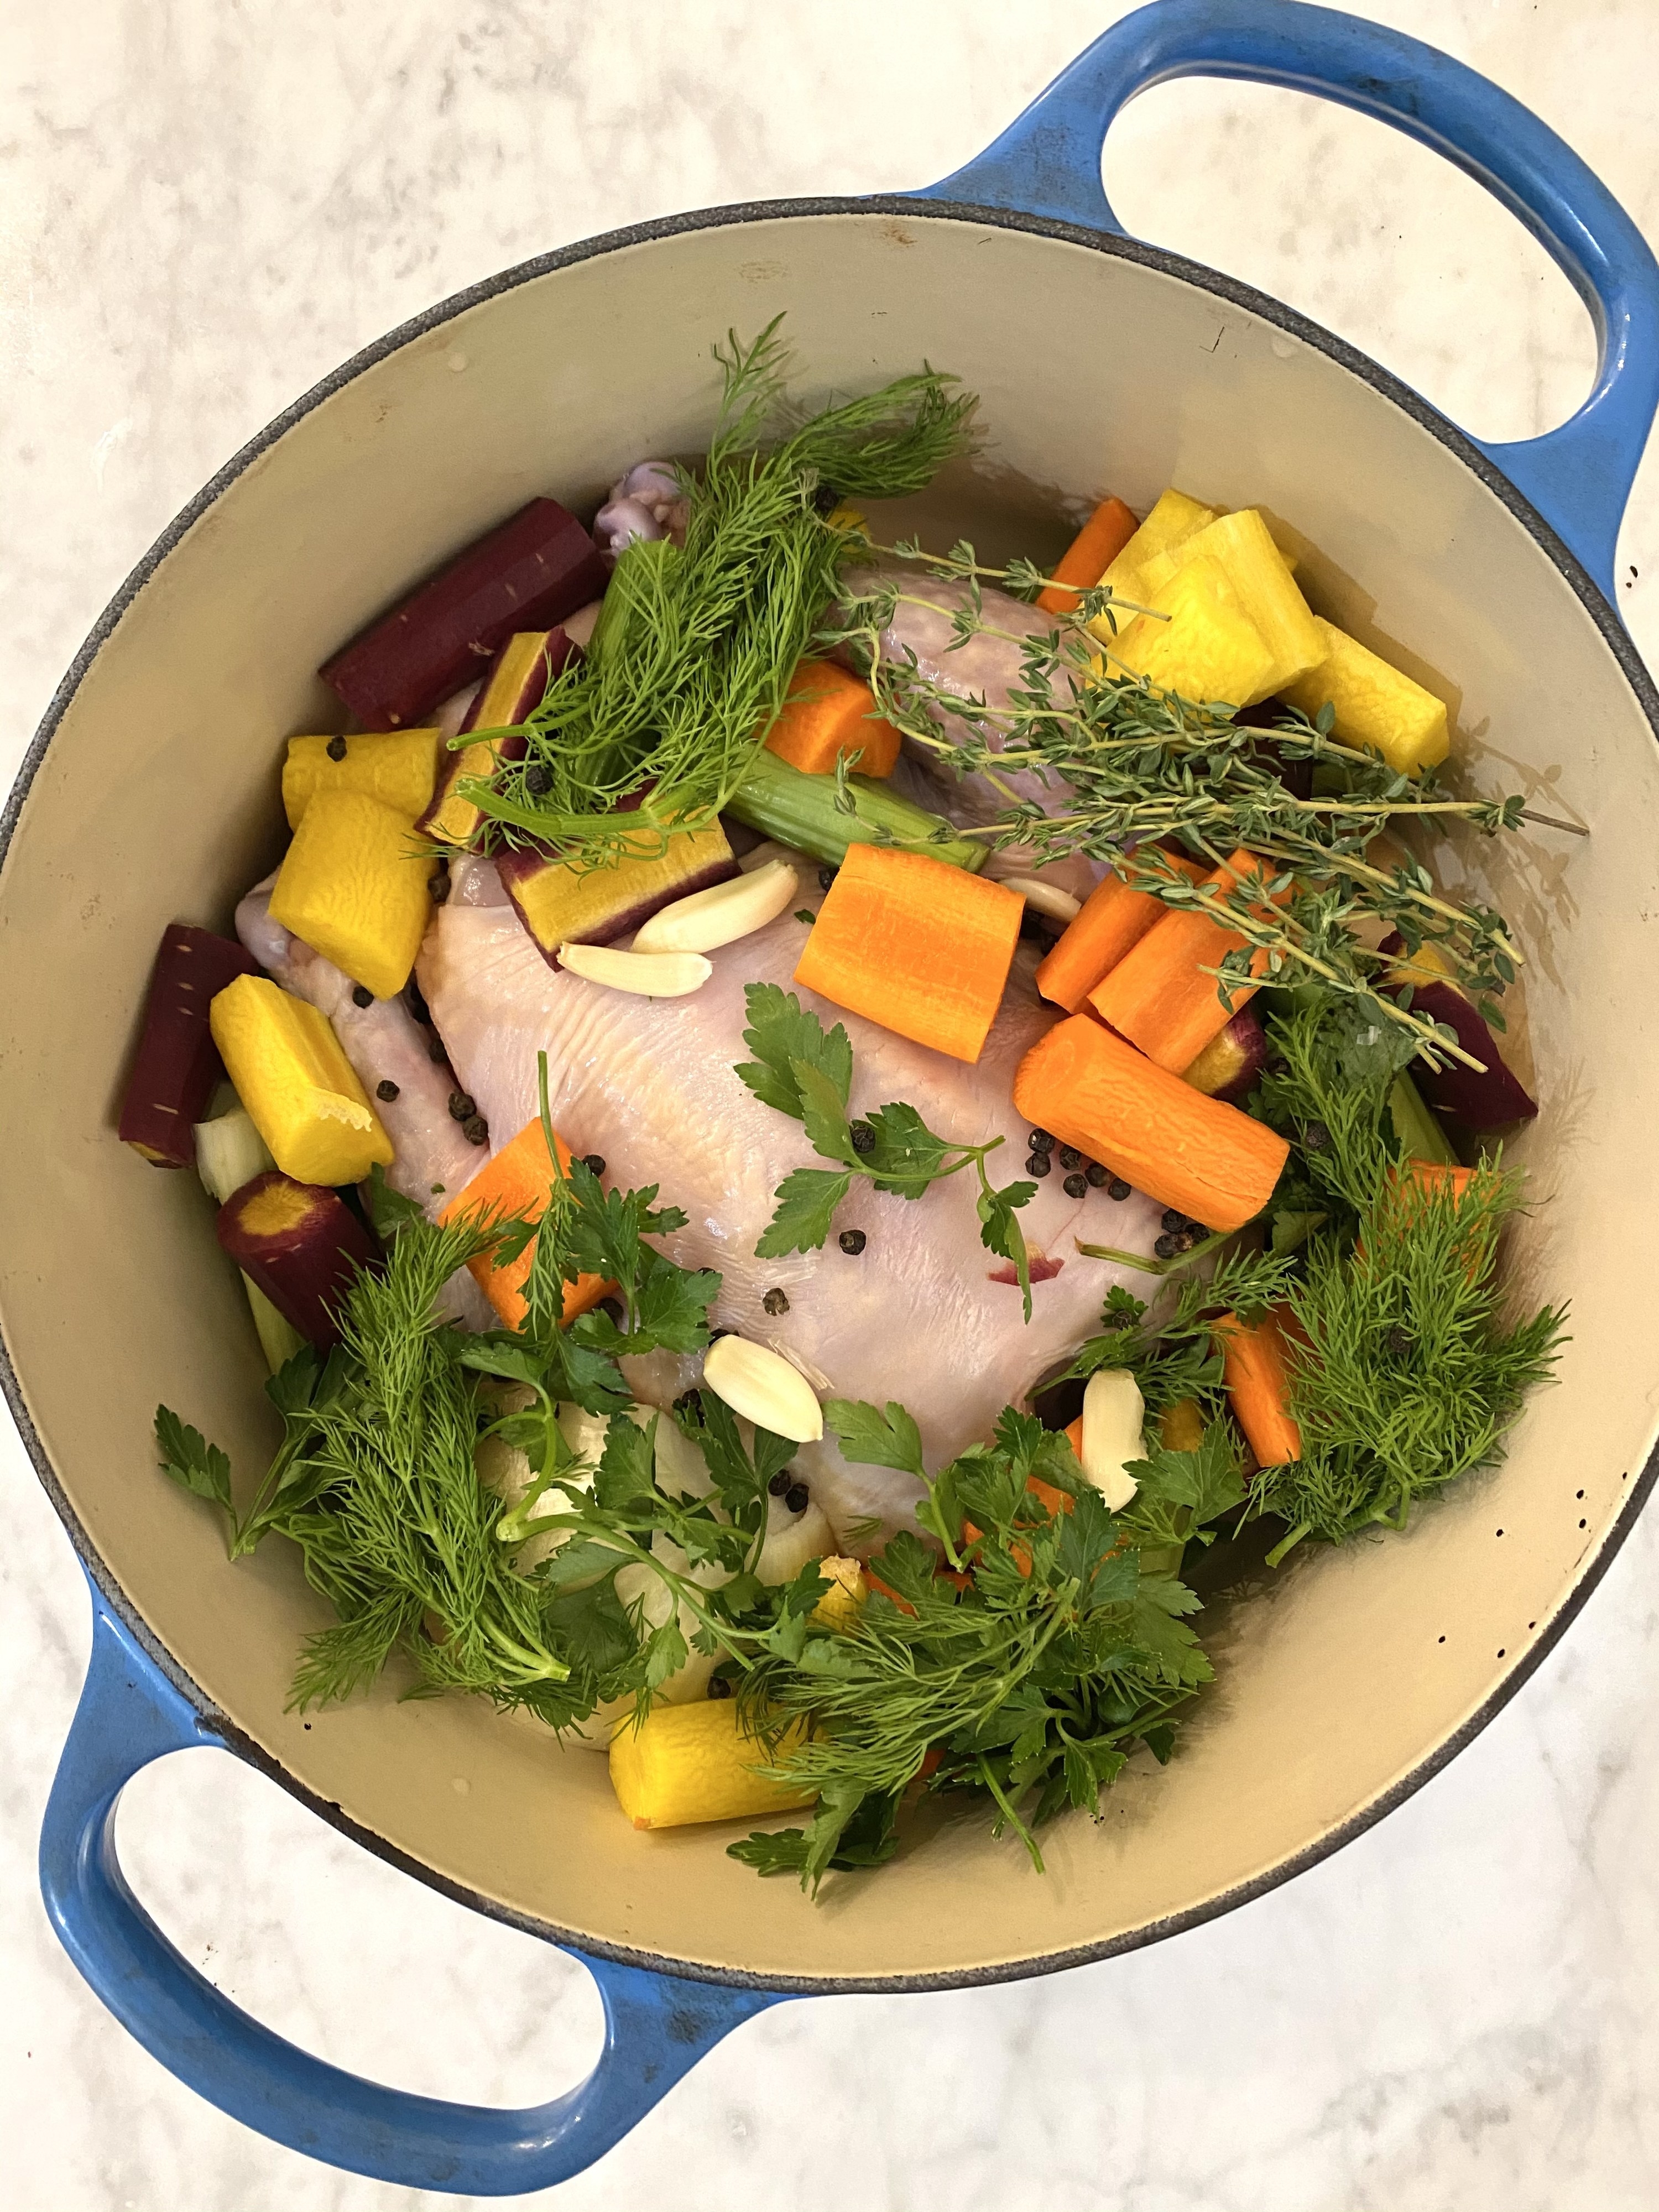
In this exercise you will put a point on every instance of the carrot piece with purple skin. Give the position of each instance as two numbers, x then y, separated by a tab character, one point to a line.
919	946
1088	556
177	1066
300	1244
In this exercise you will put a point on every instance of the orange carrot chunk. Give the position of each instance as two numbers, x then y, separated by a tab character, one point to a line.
922	948
1158	996
1183	1149
516	1181
1258	1381
1113	918
828	713
1089	555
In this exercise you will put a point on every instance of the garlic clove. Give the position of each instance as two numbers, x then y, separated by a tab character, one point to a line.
722	914
768	850
1044	898
648	974
1114	1421
762	1386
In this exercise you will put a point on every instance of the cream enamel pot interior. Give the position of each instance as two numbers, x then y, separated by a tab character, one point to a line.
1349	1677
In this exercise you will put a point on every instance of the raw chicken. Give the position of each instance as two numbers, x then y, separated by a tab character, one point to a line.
983	671
924	1313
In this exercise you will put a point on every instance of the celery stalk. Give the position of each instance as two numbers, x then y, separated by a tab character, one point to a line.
1421	1137
800	811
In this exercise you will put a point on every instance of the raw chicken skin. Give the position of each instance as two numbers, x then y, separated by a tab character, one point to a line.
649	1084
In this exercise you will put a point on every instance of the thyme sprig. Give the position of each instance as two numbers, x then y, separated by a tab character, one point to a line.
1143	769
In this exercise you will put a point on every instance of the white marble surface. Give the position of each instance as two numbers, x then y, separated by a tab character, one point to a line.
206	206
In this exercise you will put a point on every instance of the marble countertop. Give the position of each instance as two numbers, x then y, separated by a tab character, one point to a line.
205	208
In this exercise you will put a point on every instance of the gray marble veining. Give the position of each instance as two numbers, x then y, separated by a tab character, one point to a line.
202	208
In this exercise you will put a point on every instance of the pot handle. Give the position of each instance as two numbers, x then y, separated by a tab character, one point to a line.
656	2027
1046	163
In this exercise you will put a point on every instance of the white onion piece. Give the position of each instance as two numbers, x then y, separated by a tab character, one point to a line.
1114	1420
1046	898
647	974
762	1386
579	627
704	920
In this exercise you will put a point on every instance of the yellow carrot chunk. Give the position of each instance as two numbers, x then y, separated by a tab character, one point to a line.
397	767
1216	1165
1112	918
517	1182
828	714
353	887
1089	555
921	947
1160	995
1258	1378
1375	706
1244	547
514	687
842	1604
301	1091
1197	640
1181	1427
691	1763
1173	516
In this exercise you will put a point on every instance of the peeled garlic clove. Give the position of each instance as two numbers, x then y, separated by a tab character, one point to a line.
762	1386
647	974
722	914
1114	1418
768	850
1044	898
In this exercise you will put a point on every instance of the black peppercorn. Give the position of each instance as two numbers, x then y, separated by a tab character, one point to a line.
1117	1188
1174	1218
776	1302
462	1107
1097	1175
614	1308
826	877
1040	1141
783	1481
1038	1163
864	1138
1183	1240
438	884
1316	1138
1165	1247
361	995
475	1129
594	1162
851	1241
798	1497
416	1005
1399	1343
385	1090
337	749
537	780
1070	1156
435	1050
1076	1185
720	1685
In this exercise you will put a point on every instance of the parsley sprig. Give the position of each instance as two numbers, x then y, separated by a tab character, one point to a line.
806	1072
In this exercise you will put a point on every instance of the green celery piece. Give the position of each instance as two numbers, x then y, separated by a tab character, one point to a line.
800	811
1421	1134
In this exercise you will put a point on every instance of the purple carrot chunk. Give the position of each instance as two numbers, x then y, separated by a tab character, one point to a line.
528	575
178	1068
301	1244
1489	1100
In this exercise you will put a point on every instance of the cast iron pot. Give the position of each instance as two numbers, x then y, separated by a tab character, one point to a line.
150	794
